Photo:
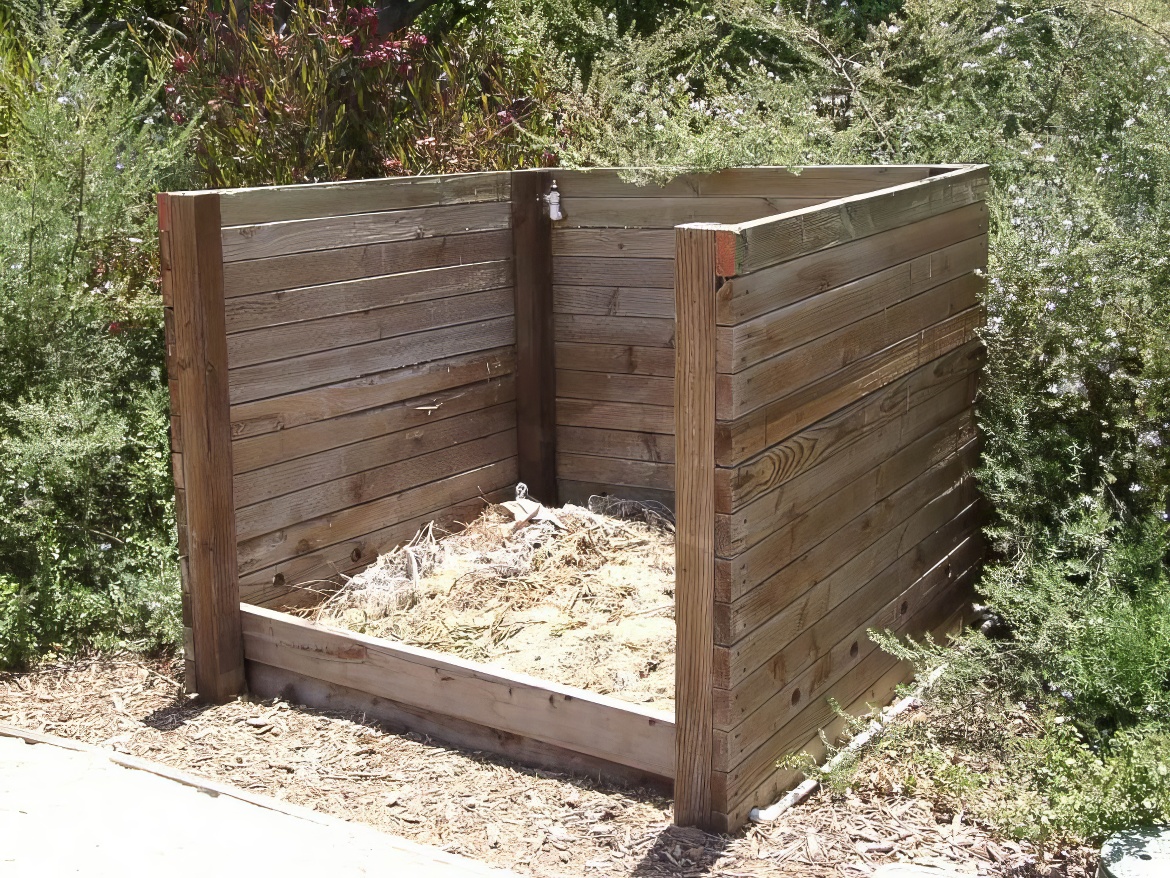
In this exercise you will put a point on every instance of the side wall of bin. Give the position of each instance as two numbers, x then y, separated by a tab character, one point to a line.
845	358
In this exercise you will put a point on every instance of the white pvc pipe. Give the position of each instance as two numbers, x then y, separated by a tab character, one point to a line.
873	730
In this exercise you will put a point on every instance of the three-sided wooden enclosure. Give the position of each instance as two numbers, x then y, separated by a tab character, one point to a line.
787	359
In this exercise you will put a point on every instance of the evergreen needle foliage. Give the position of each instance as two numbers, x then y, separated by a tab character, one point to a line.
86	533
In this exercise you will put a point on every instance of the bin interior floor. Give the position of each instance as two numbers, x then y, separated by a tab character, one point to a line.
574	595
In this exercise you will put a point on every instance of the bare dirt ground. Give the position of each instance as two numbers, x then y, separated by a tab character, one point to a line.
536	822
576	596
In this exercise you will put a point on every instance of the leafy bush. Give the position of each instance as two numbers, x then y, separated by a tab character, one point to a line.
320	96
86	540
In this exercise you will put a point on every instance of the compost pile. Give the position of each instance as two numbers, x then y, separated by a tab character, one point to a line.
573	595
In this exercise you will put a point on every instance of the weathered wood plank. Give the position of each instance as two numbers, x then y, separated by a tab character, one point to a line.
695	508
829	181
615	301
614	471
666	212
265	310
639	417
754	770
535	335
284	446
929	439
864	543
309	536
613	243
298	474
738	440
344	364
201	363
737	576
735	486
268	682
632	331
613	387
777	652
764	382
561	715
625	359
330	333
744	298
320	405
768	335
579	492
370	260
845	647
316	501
768	241
326	233
271	203
302	581
624	444
633	272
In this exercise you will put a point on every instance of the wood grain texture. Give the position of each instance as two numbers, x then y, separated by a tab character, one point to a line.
626	331
265	310
303	580
639	417
370	260
465	449
281	203
615	388
740	439
613	243
535	335
743	298
318	405
326	233
269	682
201	363
282	447
624	444
264	380
614	471
765	382
625	359
667	211
769	241
311	535
695	509
561	715
735	486
330	333
614	301
632	272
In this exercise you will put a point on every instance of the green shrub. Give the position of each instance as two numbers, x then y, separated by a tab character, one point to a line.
86	535
320	96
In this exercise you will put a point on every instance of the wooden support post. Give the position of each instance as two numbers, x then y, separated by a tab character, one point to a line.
197	362
694	286
535	363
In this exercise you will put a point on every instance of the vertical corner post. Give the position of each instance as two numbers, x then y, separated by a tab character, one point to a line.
535	356
696	261
197	363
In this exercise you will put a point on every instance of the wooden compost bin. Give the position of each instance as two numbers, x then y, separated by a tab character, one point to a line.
787	359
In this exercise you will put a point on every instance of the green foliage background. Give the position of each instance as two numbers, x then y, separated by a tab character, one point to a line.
1069	103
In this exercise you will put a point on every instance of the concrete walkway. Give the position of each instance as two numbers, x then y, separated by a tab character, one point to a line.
71	809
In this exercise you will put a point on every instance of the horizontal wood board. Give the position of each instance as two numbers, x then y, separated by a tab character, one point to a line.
847	358
572	719
371	353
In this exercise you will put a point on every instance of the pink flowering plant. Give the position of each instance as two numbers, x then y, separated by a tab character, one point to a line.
321	95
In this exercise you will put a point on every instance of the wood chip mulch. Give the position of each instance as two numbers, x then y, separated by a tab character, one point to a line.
535	822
